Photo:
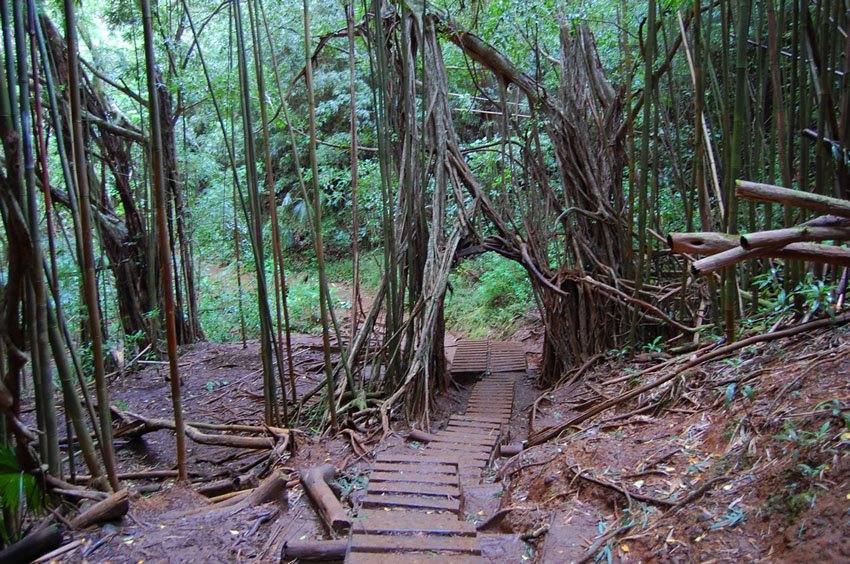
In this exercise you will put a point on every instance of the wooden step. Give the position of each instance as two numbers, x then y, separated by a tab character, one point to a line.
412	557
483	419
463	455
464	439
457	438
419	466
468	433
421	477
416	502
472	448
473	427
444	457
421	543
404	521
413	488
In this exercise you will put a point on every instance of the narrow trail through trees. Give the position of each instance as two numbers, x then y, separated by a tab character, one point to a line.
414	503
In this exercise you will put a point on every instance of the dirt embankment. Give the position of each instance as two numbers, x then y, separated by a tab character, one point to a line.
741	459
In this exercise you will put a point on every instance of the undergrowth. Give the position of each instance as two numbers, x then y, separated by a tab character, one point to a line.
219	295
489	296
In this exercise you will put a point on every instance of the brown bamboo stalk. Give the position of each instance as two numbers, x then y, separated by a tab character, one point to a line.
163	240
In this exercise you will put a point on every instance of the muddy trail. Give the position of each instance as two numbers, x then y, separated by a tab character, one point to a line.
743	458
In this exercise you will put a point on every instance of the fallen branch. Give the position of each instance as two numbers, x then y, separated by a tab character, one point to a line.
32	546
111	508
625	298
701	243
228	485
628	495
316	482
769	193
421	436
810	252
825	228
314	551
272	489
140	425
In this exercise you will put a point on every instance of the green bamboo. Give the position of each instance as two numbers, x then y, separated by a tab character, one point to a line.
317	217
266	345
738	142
86	228
277	253
36	306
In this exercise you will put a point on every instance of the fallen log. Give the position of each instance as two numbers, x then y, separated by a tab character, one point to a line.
826	228
701	243
509	450
139	425
421	436
314	551
113	507
757	192
316	482
272	489
228	485
809	252
32	546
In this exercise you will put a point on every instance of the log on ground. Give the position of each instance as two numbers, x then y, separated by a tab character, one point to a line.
316	483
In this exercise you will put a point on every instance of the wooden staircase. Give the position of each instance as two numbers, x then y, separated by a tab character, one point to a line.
413	508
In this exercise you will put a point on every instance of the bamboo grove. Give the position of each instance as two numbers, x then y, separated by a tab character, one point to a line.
578	142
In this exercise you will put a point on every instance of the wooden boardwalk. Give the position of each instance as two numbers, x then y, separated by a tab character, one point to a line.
413	508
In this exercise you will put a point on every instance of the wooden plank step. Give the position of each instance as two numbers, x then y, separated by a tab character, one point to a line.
483	399
411	558
416	502
472	427
462	427
411	488
475	419
420	543
490	404
421	477
422	466
480	444
471	432
466	439
482	426
441	458
460	447
503	416
401	521
481	409
463	453
496	414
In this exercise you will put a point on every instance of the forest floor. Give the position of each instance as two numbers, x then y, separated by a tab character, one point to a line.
741	459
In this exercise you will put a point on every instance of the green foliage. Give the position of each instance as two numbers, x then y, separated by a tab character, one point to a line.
811	295
20	494
489	293
654	346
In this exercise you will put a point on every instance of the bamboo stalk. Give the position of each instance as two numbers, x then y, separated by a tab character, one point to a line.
89	278
164	249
